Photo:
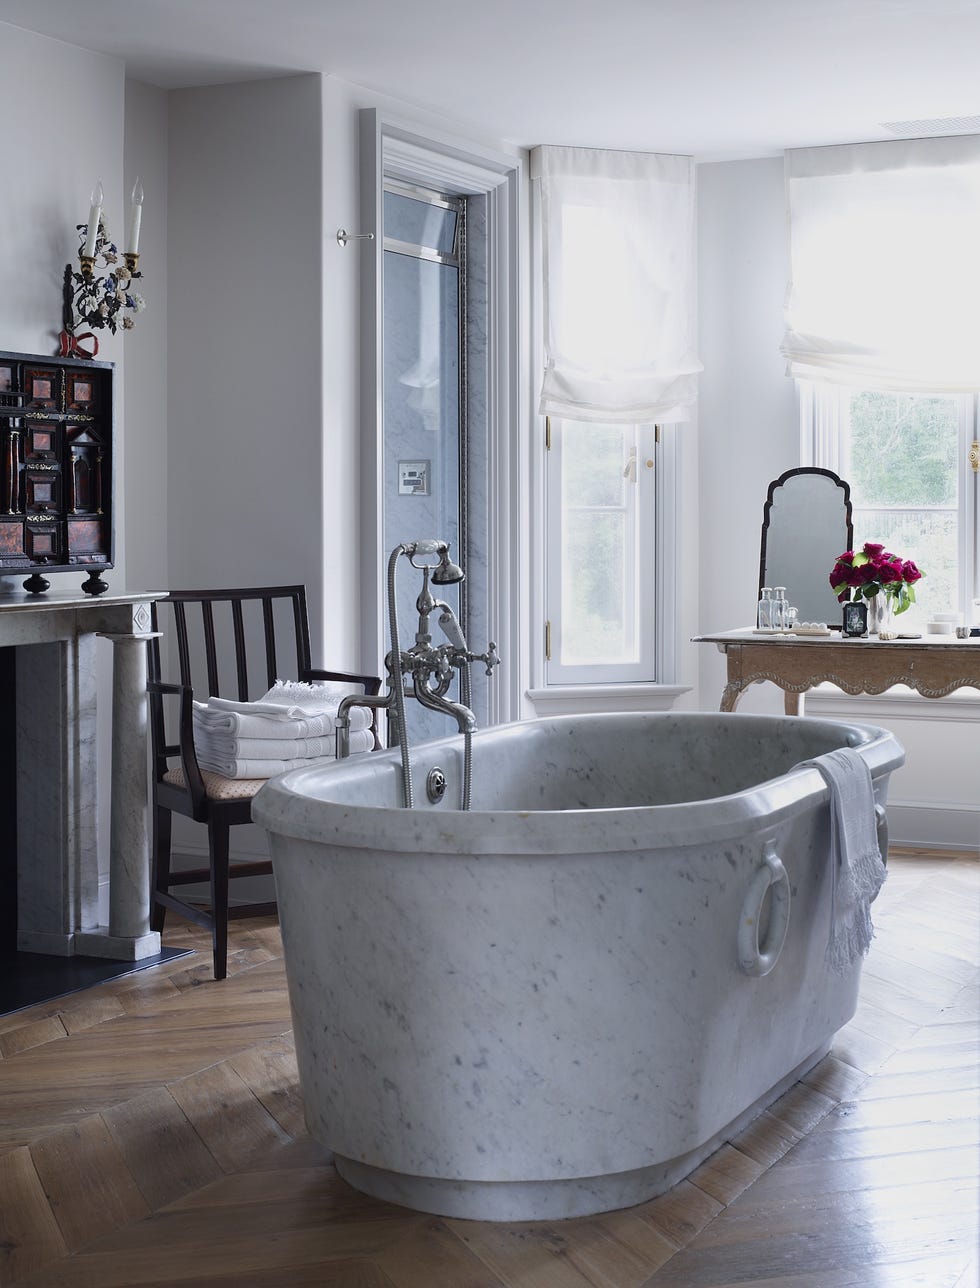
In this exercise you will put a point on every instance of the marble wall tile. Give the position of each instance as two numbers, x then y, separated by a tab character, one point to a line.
422	422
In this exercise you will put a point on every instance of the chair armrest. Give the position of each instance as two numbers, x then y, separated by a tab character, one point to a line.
371	684
163	686
185	748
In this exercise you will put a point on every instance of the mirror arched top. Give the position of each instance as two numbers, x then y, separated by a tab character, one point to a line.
806	524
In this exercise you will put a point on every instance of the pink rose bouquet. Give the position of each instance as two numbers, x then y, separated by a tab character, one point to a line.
874	571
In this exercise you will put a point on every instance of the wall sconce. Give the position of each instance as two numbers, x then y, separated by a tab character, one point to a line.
97	299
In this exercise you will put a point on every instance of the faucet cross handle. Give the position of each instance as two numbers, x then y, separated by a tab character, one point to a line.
491	657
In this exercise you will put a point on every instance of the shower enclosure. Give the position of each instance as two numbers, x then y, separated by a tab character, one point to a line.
435	395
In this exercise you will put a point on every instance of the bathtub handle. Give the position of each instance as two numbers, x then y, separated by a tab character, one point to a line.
755	958
881	828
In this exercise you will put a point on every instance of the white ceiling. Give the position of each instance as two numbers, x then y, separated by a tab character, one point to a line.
716	78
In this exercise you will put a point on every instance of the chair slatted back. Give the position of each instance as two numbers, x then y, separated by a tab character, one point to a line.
199	649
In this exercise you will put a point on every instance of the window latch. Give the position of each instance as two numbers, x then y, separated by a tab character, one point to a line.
630	471
975	456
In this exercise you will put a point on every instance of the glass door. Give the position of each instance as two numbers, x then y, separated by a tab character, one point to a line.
424	376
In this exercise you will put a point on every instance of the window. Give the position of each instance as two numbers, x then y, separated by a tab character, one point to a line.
907	460
614	239
601	552
885	268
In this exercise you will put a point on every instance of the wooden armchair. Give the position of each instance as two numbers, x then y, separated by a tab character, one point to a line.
231	642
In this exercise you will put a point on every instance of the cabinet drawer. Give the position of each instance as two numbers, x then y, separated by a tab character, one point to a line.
43	542
42	490
88	539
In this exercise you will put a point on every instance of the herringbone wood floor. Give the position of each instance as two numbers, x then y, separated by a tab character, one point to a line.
151	1134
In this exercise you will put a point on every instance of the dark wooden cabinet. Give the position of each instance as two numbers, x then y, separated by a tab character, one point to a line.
56	440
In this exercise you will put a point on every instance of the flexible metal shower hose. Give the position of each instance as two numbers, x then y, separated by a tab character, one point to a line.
400	685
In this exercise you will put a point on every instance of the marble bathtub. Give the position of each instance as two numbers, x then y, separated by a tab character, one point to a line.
562	1001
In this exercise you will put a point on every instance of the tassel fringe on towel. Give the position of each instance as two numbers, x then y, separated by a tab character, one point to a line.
856	861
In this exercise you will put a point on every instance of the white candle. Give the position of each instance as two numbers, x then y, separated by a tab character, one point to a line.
135	216
94	216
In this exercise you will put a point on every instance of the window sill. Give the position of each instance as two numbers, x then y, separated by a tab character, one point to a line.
574	699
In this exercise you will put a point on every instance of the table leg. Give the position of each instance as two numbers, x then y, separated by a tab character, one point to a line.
792	703
730	696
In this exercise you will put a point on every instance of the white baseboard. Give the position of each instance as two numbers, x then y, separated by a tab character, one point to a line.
934	825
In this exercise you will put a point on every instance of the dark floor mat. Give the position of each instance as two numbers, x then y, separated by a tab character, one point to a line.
29	978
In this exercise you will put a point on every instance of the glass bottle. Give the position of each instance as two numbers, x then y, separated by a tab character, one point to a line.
779	607
764	619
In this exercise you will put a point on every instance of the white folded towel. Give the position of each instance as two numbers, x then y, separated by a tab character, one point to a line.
274	748
857	864
231	766
288	727
276	723
292	700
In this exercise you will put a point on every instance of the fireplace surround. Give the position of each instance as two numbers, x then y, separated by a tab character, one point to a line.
50	686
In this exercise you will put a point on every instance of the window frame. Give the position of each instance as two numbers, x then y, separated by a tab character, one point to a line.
821	444
549	693
639	508
393	147
656	611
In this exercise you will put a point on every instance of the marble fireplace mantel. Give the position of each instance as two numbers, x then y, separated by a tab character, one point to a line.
58	780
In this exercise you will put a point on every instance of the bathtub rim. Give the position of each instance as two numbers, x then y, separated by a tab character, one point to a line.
286	807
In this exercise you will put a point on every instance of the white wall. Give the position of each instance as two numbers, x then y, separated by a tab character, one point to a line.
85	124
49	179
244	342
339	623
747	408
749	424
263	346
62	109
264	350
238	408
143	538
123	131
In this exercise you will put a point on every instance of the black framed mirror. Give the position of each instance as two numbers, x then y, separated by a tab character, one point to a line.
806	524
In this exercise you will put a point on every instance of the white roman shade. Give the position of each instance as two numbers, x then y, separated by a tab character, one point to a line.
885	264
617	239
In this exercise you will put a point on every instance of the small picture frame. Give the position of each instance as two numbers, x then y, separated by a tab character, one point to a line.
413	478
855	618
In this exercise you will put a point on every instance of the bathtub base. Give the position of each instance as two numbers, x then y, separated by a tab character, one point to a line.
555	1200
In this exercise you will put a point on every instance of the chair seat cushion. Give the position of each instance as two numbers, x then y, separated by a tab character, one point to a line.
218	788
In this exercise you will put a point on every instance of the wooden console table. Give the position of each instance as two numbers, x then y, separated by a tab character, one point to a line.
934	666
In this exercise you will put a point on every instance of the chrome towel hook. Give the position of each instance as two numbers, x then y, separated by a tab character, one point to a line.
343	236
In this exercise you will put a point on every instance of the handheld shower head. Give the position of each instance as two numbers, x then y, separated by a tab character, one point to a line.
451	628
424	546
447	573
